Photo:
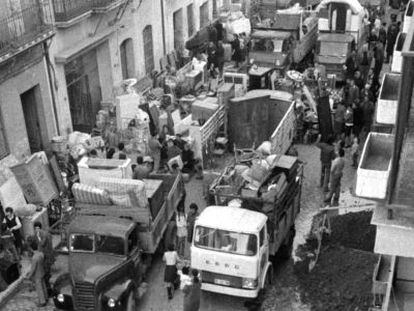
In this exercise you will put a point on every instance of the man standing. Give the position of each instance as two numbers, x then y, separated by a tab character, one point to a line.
351	65
141	170
353	93
339	120
44	241
37	274
368	111
382	34
392	33
327	155
336	174
379	61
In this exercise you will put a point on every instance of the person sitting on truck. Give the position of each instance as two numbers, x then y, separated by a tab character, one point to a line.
141	170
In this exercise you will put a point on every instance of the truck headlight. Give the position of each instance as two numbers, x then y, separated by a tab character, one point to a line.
60	298
249	283
111	303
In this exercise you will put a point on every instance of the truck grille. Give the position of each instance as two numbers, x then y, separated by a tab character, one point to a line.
84	296
217	278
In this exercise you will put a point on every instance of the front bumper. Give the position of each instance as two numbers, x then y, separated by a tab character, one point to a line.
231	291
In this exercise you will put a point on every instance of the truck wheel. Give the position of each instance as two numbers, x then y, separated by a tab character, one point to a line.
131	302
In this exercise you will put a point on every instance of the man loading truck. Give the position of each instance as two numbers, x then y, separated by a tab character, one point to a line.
232	244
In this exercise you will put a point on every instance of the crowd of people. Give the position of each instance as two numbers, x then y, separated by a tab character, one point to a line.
38	247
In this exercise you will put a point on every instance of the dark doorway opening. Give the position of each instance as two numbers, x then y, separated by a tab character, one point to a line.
30	102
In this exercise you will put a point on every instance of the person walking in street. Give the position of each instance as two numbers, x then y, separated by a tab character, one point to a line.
339	120
392	33
155	147
349	124
237	56
37	274
367	111
365	61
326	157
44	241
181	221
355	152
170	273
379	61
352	94
351	65
192	293
14	225
382	34
220	57
336	174
191	218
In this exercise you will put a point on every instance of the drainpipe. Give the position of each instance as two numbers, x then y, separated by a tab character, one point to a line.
52	90
163	27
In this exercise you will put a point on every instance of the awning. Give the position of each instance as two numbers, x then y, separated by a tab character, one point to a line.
82	47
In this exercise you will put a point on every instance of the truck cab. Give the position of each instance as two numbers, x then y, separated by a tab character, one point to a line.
104	265
332	51
272	49
231	249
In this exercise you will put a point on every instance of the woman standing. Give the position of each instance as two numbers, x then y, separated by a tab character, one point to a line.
170	274
237	53
181	221
192	293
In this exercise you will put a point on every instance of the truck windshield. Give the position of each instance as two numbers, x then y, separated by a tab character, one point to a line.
82	243
226	241
334	48
110	245
266	45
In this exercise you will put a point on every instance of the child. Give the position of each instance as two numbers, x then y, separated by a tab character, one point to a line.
355	152
185	279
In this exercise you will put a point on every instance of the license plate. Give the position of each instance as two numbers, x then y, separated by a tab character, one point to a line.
222	282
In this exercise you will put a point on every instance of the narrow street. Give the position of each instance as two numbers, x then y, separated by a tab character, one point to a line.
281	296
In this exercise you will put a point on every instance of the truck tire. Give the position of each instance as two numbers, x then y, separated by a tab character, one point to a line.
131	302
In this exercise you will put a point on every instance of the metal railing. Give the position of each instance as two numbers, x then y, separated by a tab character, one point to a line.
20	24
66	10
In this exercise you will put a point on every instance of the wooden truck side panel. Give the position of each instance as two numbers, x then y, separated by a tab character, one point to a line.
150	230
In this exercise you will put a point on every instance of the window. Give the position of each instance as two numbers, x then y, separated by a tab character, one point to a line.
215	13
4	148
132	240
262	236
110	245
148	49
127	59
204	14
226	241
190	19
82	243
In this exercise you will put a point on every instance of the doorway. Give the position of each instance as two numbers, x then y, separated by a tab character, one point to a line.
127	59
31	118
178	29
84	91
339	17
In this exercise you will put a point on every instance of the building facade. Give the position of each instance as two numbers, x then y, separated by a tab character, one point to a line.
27	108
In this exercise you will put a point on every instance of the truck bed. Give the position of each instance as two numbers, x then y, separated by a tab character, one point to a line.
151	227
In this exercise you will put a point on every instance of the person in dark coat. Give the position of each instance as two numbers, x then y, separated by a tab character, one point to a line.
220	57
14	225
379	61
192	293
237	56
382	34
392	33
219	28
351	65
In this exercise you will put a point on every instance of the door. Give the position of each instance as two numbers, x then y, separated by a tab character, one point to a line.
339	16
263	252
178	29
84	91
127	59
148	49
31	118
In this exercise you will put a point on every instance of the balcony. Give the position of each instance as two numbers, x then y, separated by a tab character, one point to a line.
24	26
67	10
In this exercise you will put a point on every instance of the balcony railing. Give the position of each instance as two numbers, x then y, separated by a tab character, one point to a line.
20	24
65	10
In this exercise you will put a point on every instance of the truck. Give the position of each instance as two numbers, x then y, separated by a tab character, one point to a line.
285	39
110	246
342	28
262	115
332	51
236	240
